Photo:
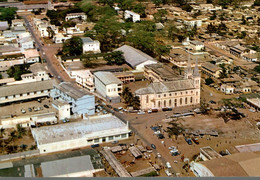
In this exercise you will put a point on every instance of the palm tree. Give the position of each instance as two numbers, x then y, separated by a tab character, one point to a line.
13	137
50	32
21	130
23	147
174	129
2	133
136	102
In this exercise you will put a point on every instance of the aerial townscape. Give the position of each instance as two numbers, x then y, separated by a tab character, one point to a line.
129	88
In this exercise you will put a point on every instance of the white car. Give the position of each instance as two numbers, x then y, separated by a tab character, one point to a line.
157	132
167	172
120	108
141	112
251	110
168	165
159	155
23	111
172	147
149	111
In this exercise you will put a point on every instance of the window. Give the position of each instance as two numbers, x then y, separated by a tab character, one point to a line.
186	100
90	140
180	101
159	96
191	99
117	136
96	140
147	99
170	94
159	104
164	95
175	94
170	102
164	103
186	92
123	136
110	137
197	93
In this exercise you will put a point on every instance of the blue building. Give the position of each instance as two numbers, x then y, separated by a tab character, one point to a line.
80	101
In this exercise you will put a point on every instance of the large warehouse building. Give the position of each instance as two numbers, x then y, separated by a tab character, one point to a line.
95	130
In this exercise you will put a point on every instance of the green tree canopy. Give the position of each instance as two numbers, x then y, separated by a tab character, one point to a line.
7	14
73	46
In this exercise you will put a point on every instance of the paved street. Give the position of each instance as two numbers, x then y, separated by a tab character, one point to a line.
47	52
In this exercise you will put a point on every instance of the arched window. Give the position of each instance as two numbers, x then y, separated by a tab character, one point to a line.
170	102
159	104
191	99
175	102
186	100
164	103
147	99
180	101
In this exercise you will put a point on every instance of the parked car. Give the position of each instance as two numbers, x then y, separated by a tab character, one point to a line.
167	172
168	165
120	108
195	140
153	146
30	109
35	108
39	100
157	132
155	128
172	147
188	140
160	136
115	109
114	142
154	110
141	112
174	152
46	106
109	106
95	145
212	102
158	155
149	111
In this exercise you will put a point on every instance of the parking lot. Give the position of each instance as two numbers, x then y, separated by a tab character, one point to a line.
15	109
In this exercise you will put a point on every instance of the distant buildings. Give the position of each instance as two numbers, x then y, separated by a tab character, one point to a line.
132	15
197	45
169	94
3	25
192	22
95	130
26	91
81	16
211	70
108	86
90	45
136	58
80	101
125	77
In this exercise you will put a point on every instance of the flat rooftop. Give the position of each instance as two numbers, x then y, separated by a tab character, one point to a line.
248	147
209	152
75	130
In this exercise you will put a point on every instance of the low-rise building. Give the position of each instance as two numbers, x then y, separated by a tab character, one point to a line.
60	38
39	72
108	86
81	16
26	91
211	70
197	45
3	25
31	56
192	22
136	58
90	45
84	78
63	108
132	15
227	89
80	101
244	164
125	77
95	130
159	73
250	57
207	153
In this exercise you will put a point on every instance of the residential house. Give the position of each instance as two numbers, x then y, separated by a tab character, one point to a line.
197	45
192	22
60	38
31	56
81	16
211	70
132	15
250	57
90	45
136	58
108	86
227	89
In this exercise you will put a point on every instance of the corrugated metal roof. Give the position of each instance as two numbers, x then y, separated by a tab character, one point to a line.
134	56
25	88
107	78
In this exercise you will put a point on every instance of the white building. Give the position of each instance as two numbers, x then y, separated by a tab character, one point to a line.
80	101
227	89
3	25
63	108
60	38
84	78
43	29
81	16
31	56
132	15
197	45
108	86
26	91
136	58
39	72
90	45
192	22
26	42
95	130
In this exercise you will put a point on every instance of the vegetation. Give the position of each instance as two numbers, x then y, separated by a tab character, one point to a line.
7	14
257	69
174	129
151	174
17	70
204	107
209	81
115	57
73	46
223	73
130	99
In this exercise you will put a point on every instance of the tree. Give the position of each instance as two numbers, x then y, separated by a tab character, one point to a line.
162	50
1	76
157	2
211	28
209	81
23	147
214	16
50	32
126	4
115	57
257	69
223	73
136	102
174	129
139	9
257	3
160	16
73	46
20	130
2	133
7	14
204	107
13	137
187	7
243	20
